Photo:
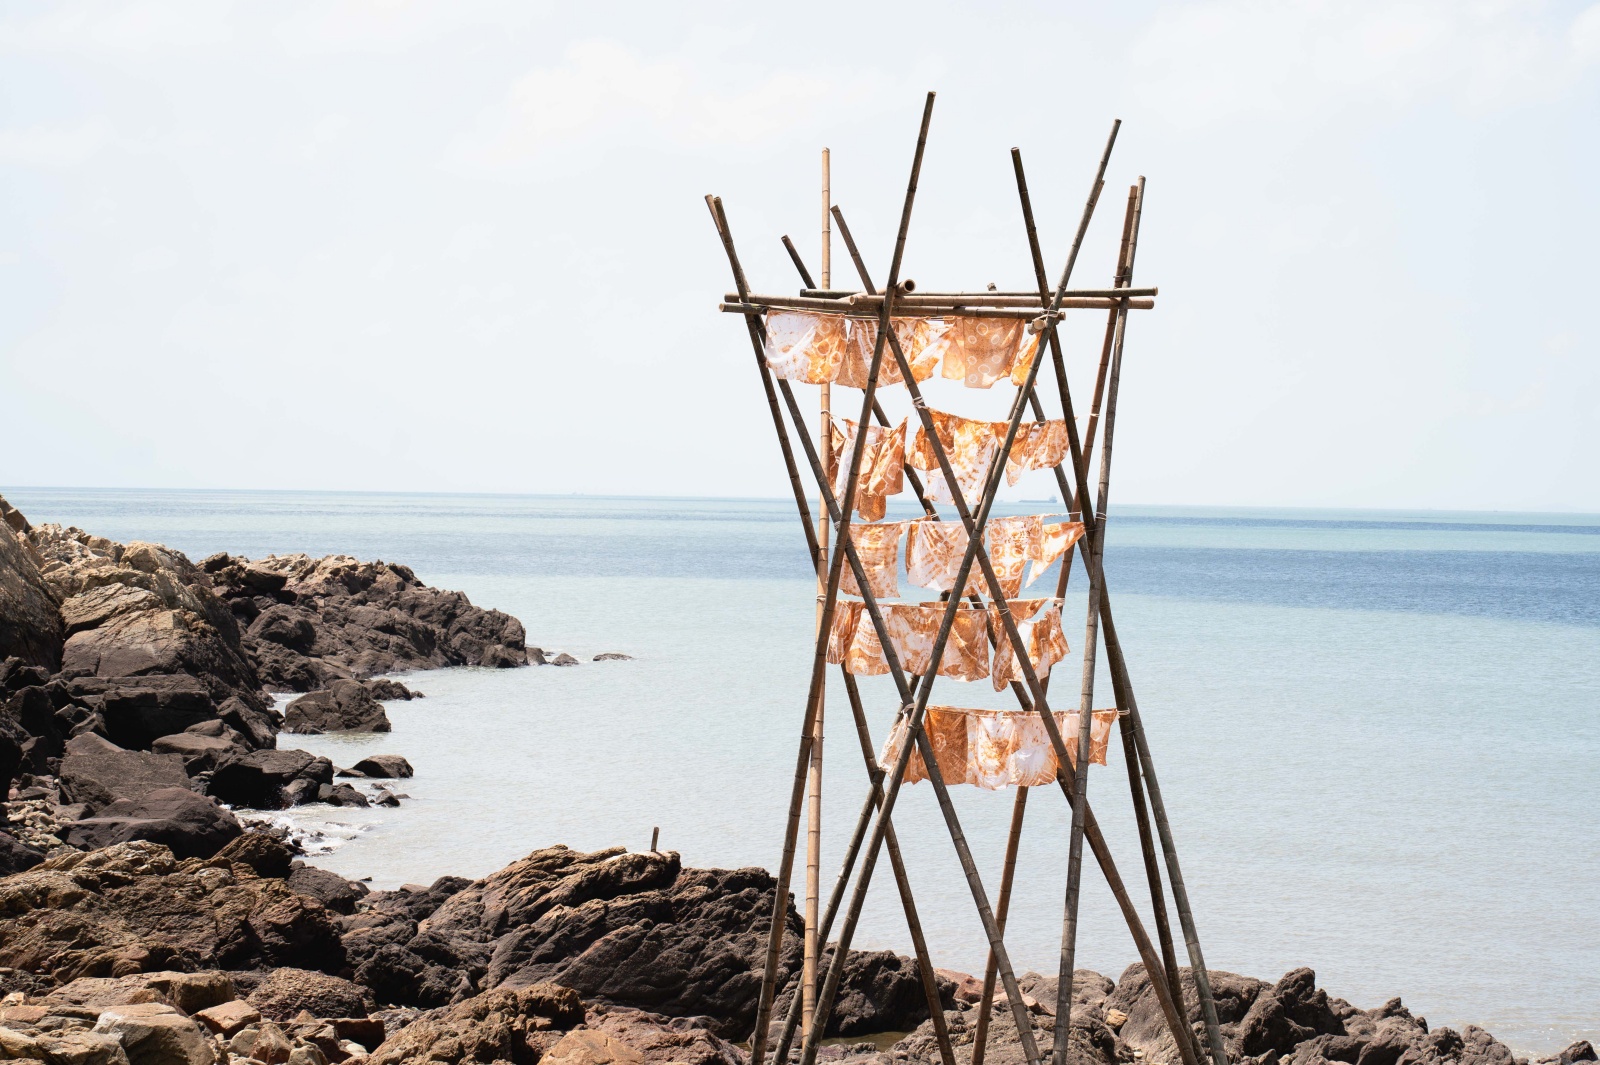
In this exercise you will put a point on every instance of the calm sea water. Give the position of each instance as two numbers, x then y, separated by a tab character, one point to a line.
1377	732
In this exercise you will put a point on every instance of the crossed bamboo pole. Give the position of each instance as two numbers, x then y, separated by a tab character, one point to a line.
975	552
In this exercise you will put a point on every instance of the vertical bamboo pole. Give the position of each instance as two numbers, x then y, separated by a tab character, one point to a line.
980	1037
814	777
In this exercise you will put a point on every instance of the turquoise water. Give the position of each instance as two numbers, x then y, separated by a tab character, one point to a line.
1377	732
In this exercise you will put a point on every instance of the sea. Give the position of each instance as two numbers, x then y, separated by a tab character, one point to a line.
1378	733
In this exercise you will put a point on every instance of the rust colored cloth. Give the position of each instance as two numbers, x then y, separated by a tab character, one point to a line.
994	749
982	350
805	347
1039	625
853	640
1030	349
971	447
879	549
882	465
1054	540
934	550
921	339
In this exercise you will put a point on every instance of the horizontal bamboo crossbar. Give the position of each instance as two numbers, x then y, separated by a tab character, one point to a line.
1001	298
763	304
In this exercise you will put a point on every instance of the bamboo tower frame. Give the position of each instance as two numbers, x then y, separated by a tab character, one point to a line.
812	1002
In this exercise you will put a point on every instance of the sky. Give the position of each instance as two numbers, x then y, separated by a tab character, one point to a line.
463	246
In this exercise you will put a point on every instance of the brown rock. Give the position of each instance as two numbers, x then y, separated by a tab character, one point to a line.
286	992
500	1025
156	1034
30	625
587	1047
188	992
266	854
345	706
97	772
229	1018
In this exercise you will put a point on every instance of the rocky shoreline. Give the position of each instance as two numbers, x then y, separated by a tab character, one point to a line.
143	922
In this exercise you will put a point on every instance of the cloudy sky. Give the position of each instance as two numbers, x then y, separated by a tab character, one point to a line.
461	246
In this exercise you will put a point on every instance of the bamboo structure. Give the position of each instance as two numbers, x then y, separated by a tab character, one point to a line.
832	545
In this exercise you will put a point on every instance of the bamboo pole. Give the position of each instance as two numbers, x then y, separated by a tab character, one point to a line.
814	775
755	304
810	292
980	1036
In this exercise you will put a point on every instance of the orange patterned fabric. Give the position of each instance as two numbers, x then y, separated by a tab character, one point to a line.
1054	541
997	748
1025	357
805	347
882	465
921	339
971	446
982	350
878	547
934	550
853	640
1039	625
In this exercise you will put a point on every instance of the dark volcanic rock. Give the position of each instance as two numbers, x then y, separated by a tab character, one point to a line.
258	779
331	889
140	710
384	767
345	706
881	991
266	854
201	753
96	772
134	907
192	826
16	856
385	689
336	617
30	619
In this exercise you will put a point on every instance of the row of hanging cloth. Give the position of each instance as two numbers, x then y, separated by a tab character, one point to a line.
913	627
832	349
970	445
997	748
935	549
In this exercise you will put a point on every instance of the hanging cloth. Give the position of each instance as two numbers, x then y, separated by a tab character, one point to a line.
853	639
921	339
983	350
1025	357
934	550
997	748
878	547
805	347
882	465
971	447
1039	625
1054	540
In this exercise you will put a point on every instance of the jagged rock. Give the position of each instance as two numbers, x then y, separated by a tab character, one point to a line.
285	626
154	1034
1580	1051
16	856
64	1046
193	826
612	656
140	710
384	766
345	706
1287	1014
264	853
96	772
285	992
331	889
341	795
385	689
663	1040
134	907
201	753
504	1025
30	621
588	1047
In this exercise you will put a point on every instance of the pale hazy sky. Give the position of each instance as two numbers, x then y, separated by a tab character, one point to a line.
461	246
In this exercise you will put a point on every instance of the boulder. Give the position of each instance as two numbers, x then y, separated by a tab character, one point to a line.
97	772
134	907
386	689
613	656
257	779
563	659
384	766
191	825
228	1018
15	856
664	1040
30	622
200	753
266	854
588	1047
341	795
1287	1014
140	710
285	992
502	1025
345	706
154	1034
880	991
331	889
63	1046
285	626
1577	1052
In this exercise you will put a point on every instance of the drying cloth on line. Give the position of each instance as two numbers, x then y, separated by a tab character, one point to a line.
878	547
882	465
1055	538
853	639
1039	625
983	350
934	550
997	748
922	340
971	447
805	347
